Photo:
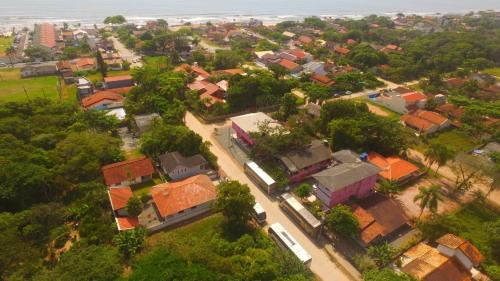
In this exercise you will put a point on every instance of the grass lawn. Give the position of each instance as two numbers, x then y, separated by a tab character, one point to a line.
143	188
453	138
493	71
5	42
97	77
154	61
12	86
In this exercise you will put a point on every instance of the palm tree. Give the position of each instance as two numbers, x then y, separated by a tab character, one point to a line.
439	154
429	197
389	187
11	51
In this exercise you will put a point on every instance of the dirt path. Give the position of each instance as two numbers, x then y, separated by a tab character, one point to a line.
376	110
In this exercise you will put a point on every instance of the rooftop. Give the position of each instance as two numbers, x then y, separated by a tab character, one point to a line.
172	160
100	96
345	174
122	171
316	152
172	198
119	197
392	167
250	122
117	78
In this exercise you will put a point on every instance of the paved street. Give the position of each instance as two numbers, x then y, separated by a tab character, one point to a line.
125	53
321	264
211	48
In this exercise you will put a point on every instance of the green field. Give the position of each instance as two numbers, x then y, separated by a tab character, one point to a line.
5	42
493	71
454	139
12	86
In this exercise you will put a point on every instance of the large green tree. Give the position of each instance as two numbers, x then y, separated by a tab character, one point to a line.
342	221
235	202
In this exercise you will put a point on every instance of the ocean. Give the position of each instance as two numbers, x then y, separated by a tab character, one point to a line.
20	13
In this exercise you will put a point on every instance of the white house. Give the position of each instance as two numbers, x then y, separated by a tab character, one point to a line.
179	167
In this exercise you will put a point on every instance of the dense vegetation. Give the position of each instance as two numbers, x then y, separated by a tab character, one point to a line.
50	179
207	250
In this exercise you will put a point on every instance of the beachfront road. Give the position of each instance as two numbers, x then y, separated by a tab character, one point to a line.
321	264
125	53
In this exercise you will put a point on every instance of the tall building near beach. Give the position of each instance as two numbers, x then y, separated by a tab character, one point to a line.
44	35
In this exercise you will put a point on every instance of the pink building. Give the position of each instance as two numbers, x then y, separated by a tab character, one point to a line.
351	177
300	164
244	125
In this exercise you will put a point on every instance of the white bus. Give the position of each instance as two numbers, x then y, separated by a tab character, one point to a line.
260	177
259	213
300	214
286	241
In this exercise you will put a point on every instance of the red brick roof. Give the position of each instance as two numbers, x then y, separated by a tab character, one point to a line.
341	50
121	90
117	78
393	167
290	65
232	71
47	35
430	116
413	97
101	96
305	39
416	122
451	110
85	62
192	69
119	196
122	171
126	223
322	79
298	53
171	198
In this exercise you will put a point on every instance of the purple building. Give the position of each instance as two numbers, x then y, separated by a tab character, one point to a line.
350	177
244	125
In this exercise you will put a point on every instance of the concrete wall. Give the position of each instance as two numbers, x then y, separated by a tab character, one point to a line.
395	103
186	215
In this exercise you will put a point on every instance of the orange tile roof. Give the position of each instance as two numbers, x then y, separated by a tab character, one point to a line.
85	62
192	69
298	53
305	39
101	96
430	116
341	50
122	171
171	198
351	41
121	90
288	64
416	122
393	167
322	79
233	71
117	78
412	97
454	242
47	35
119	197
126	223
451	110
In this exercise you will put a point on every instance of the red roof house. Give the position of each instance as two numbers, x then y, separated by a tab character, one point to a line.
184	199
101	100
290	65
322	79
393	168
128	172
341	50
